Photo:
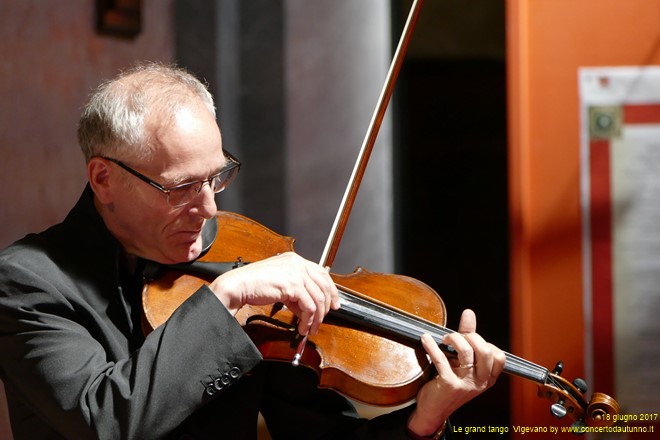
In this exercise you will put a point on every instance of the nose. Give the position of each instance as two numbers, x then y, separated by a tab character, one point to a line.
204	203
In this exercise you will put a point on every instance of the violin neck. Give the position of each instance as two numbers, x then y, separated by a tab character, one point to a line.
409	327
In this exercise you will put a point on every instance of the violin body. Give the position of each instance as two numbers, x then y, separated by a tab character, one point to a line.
364	364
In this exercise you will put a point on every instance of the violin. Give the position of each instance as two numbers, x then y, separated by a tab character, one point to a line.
369	349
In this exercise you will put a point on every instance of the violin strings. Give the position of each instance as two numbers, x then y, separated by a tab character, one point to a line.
376	316
372	315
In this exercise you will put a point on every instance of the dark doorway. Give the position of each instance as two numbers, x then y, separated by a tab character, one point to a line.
451	192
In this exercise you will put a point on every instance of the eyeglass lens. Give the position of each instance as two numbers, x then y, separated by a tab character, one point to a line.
184	194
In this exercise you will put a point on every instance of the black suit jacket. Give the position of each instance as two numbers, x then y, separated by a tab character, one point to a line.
76	365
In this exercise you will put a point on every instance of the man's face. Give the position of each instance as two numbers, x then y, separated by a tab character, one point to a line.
189	149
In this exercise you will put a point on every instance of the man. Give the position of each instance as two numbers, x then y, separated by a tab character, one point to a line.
74	359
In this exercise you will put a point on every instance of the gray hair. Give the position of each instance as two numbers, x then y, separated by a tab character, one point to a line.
115	120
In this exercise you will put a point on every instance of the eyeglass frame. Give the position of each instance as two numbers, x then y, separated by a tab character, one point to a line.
234	164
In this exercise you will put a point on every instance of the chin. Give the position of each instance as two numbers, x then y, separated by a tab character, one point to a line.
192	251
178	255
193	254
181	252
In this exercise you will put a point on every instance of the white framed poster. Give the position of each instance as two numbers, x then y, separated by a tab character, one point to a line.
620	195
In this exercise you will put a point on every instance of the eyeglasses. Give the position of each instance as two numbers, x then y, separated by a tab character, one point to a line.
185	193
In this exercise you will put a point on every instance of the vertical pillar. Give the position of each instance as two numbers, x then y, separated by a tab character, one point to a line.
296	83
337	58
237	47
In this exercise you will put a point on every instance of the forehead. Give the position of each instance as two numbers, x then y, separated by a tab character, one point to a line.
188	144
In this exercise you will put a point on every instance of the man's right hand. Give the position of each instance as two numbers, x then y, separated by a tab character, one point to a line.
303	286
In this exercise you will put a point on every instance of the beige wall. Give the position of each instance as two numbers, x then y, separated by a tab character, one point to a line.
50	57
337	56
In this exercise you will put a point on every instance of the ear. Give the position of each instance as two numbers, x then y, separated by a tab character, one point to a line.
98	174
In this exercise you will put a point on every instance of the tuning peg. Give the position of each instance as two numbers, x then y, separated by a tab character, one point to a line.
558	368
558	409
581	385
579	426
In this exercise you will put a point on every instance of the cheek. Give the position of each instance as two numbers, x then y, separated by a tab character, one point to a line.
161	233
175	241
148	219
149	228
172	250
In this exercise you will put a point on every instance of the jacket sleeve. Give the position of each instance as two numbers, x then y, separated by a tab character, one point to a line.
58	368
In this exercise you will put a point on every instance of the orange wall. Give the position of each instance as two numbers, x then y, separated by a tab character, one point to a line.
547	41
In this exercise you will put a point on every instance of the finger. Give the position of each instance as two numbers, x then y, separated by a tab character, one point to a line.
499	361
465	353
329	295
330	289
322	290
320	276
438	358
468	322
302	310
318	301
305	323
335	302
301	293
483	356
306	307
